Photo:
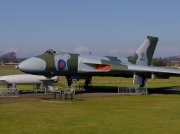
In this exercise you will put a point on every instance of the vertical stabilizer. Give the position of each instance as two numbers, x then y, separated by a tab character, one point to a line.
144	54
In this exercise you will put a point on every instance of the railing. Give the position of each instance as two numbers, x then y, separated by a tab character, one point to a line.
9	92
68	91
132	90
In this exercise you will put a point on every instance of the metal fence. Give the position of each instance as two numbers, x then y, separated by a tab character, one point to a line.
9	92
132	90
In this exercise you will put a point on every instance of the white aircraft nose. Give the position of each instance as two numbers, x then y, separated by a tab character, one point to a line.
32	64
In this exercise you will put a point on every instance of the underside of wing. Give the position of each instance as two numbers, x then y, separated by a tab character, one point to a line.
154	71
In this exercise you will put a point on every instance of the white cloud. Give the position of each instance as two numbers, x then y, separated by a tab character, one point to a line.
121	53
113	51
81	49
12	49
65	50
129	51
29	52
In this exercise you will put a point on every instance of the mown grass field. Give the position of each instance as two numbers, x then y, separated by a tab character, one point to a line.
123	114
149	114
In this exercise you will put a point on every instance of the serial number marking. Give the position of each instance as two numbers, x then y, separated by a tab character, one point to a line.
142	59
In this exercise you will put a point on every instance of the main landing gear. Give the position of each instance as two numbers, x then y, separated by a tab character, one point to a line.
69	80
87	84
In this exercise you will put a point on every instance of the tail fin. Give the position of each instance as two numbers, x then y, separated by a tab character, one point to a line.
144	54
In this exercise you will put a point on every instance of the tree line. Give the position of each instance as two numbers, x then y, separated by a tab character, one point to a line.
165	61
10	58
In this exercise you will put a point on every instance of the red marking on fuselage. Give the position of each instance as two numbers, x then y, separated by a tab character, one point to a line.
103	67
61	64
142	54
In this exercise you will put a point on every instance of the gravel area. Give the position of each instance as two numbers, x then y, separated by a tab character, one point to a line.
31	97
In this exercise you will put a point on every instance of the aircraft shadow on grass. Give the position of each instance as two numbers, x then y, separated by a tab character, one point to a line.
165	90
114	89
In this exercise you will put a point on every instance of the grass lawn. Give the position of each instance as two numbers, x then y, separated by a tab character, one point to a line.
121	114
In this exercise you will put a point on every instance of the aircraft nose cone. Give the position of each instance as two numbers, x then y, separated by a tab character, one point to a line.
33	64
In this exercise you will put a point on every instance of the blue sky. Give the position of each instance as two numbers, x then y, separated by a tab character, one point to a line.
104	27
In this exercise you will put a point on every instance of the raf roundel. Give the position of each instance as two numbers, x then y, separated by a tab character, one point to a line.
61	65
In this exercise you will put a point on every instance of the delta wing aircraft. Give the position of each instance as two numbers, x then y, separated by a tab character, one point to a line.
53	63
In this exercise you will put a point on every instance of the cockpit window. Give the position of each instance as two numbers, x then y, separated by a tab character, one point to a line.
50	51
60	52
